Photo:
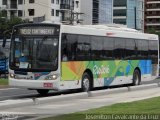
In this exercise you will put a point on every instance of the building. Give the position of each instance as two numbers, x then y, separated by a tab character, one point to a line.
94	11
89	12
33	10
129	13
12	7
152	15
65	11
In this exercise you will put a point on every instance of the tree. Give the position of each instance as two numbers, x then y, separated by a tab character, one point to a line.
7	24
153	31
12	22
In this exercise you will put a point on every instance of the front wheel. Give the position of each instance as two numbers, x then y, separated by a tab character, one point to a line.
86	82
136	78
43	92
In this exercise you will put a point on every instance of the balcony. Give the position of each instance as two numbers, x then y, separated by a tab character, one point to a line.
152	17
152	24
12	6
153	2
65	6
65	19
120	17
120	8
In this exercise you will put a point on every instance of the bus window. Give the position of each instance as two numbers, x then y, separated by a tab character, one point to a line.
96	47
69	45
108	46
83	48
130	49
153	53
119	48
47	53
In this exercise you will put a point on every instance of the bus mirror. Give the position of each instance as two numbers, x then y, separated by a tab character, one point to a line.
4	42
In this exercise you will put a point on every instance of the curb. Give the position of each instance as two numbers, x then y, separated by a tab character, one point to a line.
36	101
108	91
142	87
4	86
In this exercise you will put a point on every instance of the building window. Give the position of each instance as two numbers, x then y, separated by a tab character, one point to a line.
57	13
20	13
31	12
52	12
20	2
4	2
57	1
31	1
52	1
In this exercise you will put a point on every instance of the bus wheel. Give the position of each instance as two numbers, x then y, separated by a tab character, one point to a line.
136	77
86	82
42	92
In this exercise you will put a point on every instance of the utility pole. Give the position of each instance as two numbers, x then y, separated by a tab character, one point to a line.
74	16
135	19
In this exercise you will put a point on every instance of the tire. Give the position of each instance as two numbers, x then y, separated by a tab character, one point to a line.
86	82
136	78
43	92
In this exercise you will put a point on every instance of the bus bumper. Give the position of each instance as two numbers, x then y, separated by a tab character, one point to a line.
34	84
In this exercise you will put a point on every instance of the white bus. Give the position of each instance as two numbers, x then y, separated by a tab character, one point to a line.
49	56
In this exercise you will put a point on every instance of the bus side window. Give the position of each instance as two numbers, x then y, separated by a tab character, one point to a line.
119	48
64	48
64	55
69	45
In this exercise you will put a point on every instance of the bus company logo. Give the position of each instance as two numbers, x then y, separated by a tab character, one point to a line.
110	34
101	70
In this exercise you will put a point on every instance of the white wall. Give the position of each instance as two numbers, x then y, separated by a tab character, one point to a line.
41	8
86	8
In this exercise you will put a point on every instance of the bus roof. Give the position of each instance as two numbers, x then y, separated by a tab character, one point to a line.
106	30
109	30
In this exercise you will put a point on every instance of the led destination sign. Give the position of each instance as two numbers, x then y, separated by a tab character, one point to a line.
37	31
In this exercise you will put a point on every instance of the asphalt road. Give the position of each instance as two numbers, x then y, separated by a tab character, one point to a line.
17	93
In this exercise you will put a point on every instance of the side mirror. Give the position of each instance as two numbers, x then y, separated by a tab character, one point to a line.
4	42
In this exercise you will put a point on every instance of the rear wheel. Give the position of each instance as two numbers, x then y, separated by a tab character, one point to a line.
86	82
43	92
136	78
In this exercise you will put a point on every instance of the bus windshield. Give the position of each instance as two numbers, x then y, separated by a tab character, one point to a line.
34	52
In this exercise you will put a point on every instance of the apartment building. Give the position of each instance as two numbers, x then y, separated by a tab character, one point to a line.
129	13
94	11
152	14
32	9
65	11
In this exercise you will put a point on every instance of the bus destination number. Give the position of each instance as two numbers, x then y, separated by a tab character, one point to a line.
37	31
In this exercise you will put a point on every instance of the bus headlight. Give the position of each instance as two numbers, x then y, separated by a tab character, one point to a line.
52	77
11	75
55	77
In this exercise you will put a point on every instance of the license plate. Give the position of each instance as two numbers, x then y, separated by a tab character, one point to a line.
47	85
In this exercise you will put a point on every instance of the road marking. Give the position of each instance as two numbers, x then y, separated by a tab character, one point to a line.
56	106
14	113
11	97
8	89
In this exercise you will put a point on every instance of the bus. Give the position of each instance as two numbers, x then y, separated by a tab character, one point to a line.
47	56
4	54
